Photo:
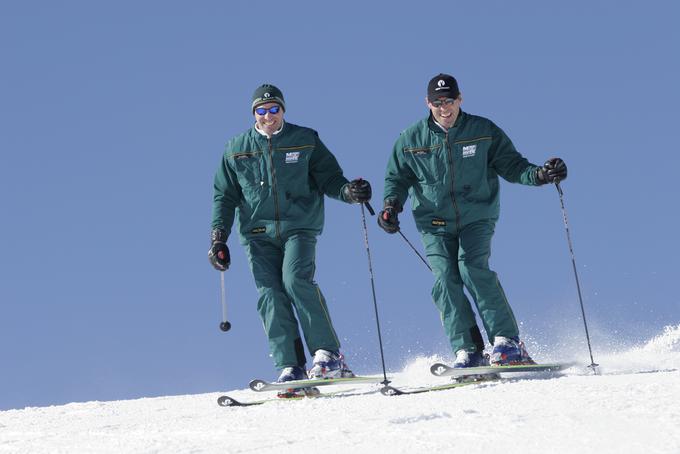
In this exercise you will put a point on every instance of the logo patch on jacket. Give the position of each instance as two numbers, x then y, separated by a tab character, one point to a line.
469	151
259	230
292	157
438	222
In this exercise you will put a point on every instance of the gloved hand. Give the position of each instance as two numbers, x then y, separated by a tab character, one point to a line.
388	218
554	170
357	191
219	252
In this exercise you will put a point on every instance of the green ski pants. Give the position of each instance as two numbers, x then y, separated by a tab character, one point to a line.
284	275
462	261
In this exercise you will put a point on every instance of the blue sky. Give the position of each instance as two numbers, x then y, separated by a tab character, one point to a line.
114	118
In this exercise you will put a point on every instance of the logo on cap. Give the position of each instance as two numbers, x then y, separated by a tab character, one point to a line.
441	85
267	95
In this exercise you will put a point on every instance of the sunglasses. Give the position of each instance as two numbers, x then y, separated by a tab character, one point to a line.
440	102
272	110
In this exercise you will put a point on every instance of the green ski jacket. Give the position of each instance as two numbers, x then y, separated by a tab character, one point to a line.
452	177
275	186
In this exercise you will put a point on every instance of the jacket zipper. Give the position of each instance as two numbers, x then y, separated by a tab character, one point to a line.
276	197
453	197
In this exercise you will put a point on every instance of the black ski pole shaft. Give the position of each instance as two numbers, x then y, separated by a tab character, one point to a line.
224	325
375	302
415	250
593	366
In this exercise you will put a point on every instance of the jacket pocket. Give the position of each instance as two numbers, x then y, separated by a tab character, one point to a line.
426	162
292	170
248	167
473	155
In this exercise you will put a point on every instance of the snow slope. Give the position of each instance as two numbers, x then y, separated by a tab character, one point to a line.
633	406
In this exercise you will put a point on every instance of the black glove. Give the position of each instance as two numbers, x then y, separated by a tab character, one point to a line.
553	171
357	191
388	218
219	252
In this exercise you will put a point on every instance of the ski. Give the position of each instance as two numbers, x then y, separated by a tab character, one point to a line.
262	385
392	391
227	401
442	370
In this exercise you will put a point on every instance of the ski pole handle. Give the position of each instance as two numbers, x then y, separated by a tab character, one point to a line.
369	208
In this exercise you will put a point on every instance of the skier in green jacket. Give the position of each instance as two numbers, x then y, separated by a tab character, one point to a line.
272	179
449	164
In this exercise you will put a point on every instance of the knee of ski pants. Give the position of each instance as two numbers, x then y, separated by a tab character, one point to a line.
444	267
298	264
266	271
298	272
447	272
267	283
475	245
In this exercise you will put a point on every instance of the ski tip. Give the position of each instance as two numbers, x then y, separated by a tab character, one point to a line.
226	401
257	385
390	391
438	369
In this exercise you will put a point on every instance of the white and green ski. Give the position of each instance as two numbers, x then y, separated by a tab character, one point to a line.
392	391
262	385
442	370
228	401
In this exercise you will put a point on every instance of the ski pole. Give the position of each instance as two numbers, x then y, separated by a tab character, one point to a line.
224	325
593	365
415	250
385	382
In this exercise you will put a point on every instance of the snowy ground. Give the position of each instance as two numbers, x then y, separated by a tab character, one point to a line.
632	407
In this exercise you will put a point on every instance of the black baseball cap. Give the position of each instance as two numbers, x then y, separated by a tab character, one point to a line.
442	85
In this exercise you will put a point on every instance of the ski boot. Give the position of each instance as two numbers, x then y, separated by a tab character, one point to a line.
294	373
329	365
509	351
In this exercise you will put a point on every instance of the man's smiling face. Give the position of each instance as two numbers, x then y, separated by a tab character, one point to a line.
269	122
445	110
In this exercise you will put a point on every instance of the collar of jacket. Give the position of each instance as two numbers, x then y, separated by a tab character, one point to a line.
260	135
434	127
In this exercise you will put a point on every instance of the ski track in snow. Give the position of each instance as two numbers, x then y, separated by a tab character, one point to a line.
631	408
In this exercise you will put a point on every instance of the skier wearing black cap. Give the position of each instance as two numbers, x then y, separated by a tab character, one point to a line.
449	164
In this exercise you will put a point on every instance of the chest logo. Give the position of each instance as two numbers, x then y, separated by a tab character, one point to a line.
469	151
292	157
